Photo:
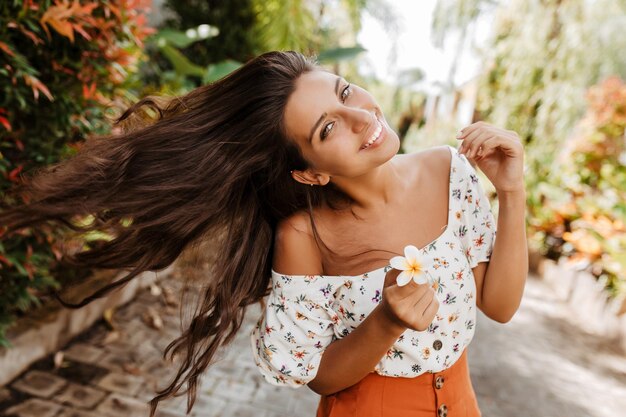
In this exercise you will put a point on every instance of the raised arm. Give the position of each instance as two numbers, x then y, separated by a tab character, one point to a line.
500	155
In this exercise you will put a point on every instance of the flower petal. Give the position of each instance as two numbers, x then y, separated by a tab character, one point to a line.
411	253
403	278
398	262
420	278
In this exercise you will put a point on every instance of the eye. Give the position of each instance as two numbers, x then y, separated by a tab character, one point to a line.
326	130
346	93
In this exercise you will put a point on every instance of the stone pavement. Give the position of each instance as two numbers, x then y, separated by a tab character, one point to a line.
538	365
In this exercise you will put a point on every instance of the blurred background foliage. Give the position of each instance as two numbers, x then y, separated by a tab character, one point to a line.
552	70
550	82
61	65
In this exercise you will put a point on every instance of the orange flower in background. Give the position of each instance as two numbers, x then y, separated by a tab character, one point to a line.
607	101
584	242
590	170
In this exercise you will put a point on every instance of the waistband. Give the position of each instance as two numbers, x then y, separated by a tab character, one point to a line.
458	369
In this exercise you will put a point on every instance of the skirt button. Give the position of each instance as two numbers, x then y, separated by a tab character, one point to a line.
439	382
442	411
437	344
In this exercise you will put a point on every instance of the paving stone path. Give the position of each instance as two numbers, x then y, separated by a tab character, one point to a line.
539	364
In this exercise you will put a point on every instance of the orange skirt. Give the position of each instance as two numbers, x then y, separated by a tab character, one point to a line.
448	393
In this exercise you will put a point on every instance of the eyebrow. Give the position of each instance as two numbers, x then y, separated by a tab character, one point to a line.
324	114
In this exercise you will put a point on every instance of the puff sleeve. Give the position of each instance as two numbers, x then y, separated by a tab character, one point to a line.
478	225
290	337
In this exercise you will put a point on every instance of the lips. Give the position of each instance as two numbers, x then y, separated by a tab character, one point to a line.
374	133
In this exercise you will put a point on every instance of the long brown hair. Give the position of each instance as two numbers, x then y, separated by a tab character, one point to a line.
213	164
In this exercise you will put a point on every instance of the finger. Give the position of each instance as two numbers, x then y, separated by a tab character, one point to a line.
477	142
467	141
486	148
431	309
423	302
469	138
424	317
510	146
471	128
468	129
408	291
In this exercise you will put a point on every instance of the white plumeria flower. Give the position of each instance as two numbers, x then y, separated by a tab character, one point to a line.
413	266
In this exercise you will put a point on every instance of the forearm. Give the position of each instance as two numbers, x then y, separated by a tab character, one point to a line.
508	266
349	359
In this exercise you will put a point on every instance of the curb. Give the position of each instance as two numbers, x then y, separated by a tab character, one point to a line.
50	327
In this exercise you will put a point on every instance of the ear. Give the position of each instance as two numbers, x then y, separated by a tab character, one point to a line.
309	177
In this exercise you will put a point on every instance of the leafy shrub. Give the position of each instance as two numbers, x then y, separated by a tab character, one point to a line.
61	65
535	83
582	211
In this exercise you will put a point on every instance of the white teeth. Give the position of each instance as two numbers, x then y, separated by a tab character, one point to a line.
375	135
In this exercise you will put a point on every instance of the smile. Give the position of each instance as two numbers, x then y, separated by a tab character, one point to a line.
376	136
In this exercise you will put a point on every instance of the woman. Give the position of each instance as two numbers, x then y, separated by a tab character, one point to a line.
295	171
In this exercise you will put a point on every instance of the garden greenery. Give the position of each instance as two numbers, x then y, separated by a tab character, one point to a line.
61	64
543	58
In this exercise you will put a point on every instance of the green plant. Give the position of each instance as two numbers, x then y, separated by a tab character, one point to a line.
62	64
582	210
535	84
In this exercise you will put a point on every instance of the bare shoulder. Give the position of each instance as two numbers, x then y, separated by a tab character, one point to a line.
428	164
295	249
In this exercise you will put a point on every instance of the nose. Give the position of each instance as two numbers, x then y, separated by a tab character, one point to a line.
360	118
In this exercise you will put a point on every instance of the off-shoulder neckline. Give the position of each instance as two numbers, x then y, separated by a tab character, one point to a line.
331	276
453	152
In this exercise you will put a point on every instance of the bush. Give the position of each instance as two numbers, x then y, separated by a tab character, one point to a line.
61	65
581	213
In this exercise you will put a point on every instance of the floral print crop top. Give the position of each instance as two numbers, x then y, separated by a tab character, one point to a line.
305	313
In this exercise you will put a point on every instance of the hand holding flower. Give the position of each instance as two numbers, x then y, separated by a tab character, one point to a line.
409	305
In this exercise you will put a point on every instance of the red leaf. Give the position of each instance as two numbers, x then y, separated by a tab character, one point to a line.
58	67
30	269
58	17
6	49
13	175
37	86
4	122
88	91
5	261
36	39
57	252
79	29
30	5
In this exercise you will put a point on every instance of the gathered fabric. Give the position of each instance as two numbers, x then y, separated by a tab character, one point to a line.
448	393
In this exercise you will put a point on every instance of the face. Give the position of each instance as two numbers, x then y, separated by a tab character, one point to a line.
338	126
